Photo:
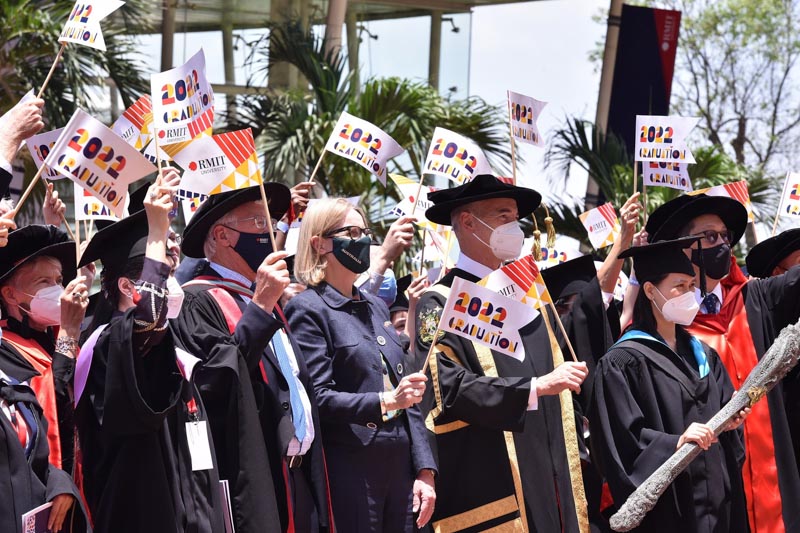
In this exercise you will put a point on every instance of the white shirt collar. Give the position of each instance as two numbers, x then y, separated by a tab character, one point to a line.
468	264
699	296
230	274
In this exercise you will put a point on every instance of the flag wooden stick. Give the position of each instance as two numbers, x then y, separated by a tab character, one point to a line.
316	167
416	199
780	204
89	229
422	254
513	147
563	331
158	154
28	191
636	178
269	216
446	256
52	70
644	202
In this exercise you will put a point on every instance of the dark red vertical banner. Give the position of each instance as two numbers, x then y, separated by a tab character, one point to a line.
648	41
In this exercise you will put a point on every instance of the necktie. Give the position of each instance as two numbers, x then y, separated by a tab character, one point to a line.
711	304
298	412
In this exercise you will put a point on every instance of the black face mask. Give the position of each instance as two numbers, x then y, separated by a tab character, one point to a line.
353	254
716	261
253	248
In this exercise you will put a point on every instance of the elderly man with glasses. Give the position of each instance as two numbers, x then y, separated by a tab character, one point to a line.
266	426
740	318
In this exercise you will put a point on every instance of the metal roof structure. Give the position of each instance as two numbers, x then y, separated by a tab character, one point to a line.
207	15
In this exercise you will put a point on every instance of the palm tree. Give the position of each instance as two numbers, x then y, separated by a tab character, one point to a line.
606	159
292	128
28	47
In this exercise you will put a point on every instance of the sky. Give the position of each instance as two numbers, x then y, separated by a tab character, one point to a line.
538	48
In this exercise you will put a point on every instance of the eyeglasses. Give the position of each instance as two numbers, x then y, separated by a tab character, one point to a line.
714	238
259	221
354	232
175	237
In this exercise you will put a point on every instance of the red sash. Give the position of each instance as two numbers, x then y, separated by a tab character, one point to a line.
43	386
728	332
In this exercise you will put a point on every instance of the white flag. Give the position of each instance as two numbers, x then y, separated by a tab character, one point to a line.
790	200
182	100
83	23
672	175
663	138
524	112
484	316
364	143
456	157
96	158
39	146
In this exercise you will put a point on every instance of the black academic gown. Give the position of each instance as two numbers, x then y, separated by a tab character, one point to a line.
645	396
63	372
131	421
473	457
29	482
250	419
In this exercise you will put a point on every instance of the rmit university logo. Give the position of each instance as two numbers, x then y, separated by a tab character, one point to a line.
210	164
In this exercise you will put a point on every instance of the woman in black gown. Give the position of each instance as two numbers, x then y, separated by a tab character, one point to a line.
653	392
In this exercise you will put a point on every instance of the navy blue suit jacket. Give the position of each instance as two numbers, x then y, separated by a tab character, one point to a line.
342	340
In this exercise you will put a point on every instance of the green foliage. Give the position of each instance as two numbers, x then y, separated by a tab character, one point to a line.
607	160
292	128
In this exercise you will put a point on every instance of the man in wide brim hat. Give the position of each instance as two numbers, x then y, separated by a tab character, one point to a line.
479	394
775	255
230	317
741	318
43	319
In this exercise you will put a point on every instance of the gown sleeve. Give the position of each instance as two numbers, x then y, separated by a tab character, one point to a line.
625	448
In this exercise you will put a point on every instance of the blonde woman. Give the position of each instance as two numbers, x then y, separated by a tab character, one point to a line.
379	462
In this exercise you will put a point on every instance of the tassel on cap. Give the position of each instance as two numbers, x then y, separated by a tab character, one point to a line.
551	230
536	250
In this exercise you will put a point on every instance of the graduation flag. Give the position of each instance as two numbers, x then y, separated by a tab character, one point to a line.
602	225
366	144
663	138
83	23
97	159
455	157
524	112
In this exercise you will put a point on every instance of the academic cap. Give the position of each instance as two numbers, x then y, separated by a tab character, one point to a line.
401	301
482	187
766	255
217	205
118	243
652	261
569	277
38	240
666	222
135	203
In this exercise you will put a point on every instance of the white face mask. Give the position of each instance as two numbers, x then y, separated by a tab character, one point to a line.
506	240
681	309
46	306
174	298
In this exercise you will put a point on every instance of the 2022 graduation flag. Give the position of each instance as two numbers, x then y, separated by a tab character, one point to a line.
39	146
97	159
83	23
486	317
672	175
524	112
183	101
455	157
662	139
790	199
366	144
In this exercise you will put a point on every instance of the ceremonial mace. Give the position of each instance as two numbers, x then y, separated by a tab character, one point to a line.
781	357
